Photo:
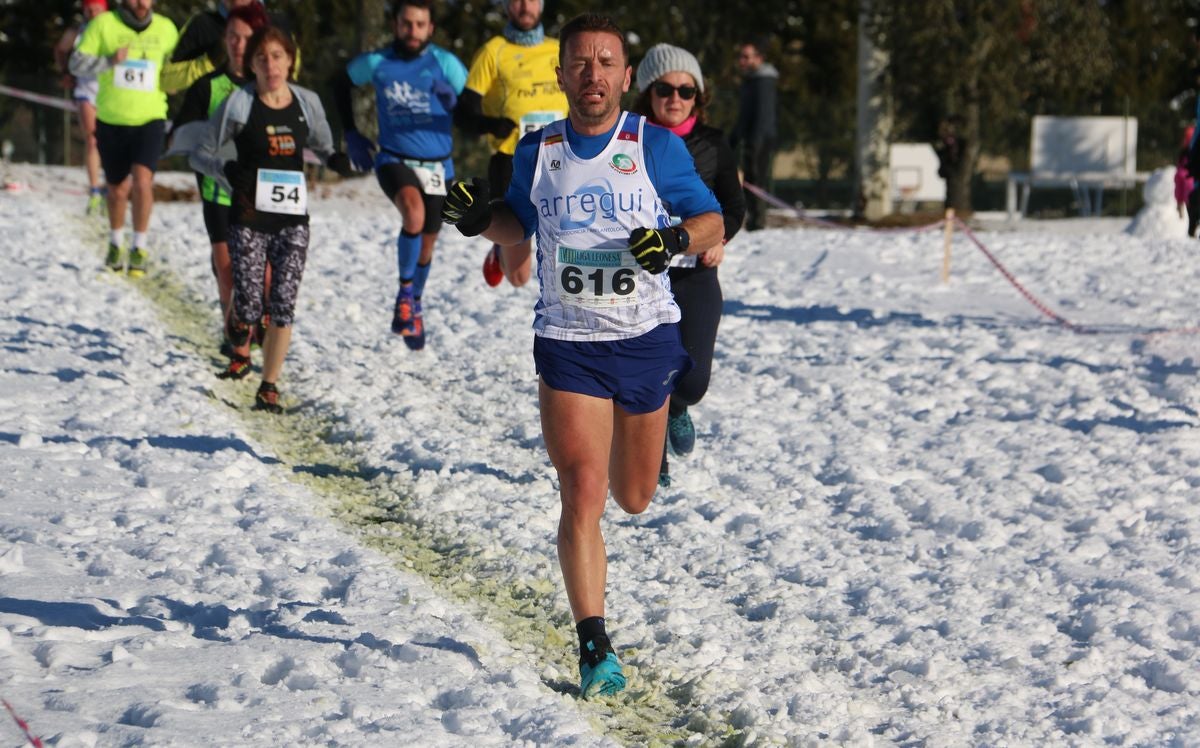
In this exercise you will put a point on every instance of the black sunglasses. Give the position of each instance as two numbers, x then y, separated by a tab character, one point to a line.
664	90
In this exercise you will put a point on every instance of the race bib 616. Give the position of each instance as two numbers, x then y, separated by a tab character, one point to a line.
596	278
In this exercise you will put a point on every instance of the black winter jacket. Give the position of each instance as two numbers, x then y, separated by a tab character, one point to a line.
716	165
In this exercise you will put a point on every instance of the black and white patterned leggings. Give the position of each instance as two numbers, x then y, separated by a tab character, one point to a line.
250	250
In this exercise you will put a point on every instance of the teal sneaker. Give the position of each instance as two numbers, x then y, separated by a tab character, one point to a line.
681	433
113	260
138	258
600	671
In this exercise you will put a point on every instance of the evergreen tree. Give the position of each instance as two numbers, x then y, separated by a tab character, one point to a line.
988	64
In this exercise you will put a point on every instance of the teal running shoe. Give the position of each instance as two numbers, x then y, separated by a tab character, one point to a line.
681	433
600	671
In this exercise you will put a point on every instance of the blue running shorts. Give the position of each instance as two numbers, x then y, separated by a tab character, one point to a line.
638	373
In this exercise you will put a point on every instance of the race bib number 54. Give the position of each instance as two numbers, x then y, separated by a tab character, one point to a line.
136	75
597	278
281	192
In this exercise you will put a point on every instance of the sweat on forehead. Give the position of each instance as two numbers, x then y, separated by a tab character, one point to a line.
602	46
590	24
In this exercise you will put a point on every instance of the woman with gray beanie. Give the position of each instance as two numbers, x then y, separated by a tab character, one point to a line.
671	94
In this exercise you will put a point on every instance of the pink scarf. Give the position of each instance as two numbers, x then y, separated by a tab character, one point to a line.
682	129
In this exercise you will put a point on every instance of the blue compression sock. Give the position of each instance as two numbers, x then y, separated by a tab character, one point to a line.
419	279
408	251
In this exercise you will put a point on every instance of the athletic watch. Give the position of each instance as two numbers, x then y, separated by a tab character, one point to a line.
682	237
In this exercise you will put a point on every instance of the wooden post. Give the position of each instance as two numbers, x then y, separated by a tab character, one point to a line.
947	239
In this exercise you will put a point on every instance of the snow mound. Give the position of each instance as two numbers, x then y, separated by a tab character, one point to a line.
1159	218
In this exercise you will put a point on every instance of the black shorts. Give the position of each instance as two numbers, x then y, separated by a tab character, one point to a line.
122	146
394	175
500	169
216	221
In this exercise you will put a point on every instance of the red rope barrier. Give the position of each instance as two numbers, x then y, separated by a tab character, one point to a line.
803	216
1035	301
33	739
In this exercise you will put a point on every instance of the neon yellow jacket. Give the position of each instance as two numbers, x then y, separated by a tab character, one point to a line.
149	49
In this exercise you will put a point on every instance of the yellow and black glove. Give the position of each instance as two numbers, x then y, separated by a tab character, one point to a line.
654	248
468	206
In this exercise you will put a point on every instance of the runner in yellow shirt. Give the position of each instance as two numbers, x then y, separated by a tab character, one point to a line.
512	89
125	49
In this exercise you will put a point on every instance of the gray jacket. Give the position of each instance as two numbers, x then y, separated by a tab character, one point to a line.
209	143
757	108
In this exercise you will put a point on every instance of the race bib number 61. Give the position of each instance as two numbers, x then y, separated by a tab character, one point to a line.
597	278
136	75
281	192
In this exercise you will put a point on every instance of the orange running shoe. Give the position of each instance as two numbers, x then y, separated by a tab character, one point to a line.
403	320
416	340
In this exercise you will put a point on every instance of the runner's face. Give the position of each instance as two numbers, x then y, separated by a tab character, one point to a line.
90	11
593	76
271	64
237	34
674	109
525	14
139	8
235	4
413	27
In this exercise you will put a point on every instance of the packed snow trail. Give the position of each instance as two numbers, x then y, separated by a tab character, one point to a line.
314	450
916	512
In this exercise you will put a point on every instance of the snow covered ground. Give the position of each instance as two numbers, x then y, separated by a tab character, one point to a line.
918	513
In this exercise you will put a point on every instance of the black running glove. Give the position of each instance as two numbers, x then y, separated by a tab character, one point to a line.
499	127
654	248
468	206
340	164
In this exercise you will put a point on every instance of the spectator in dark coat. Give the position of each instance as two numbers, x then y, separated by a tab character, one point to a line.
951	150
756	129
